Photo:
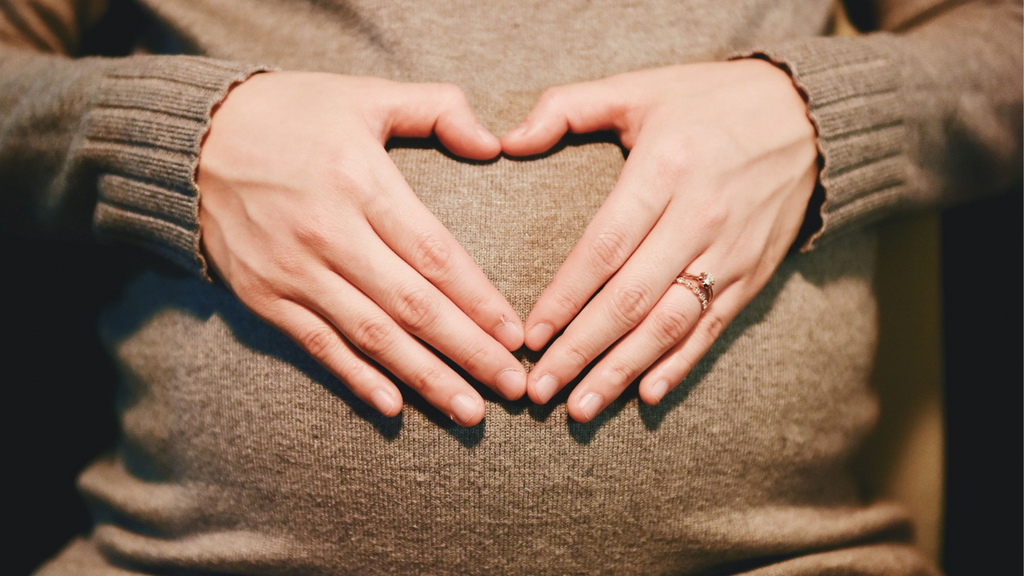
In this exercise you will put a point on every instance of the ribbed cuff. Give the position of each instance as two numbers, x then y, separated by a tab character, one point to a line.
851	86
143	131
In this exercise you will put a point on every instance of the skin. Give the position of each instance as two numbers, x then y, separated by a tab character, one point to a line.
722	164
307	220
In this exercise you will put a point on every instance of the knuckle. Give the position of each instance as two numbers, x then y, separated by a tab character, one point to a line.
262	304
713	215
551	96
576	355
610	249
631	302
674	163
426	381
477	309
452	94
430	255
339	174
621	374
714	325
474	360
416	310
312	231
373	335
253	290
347	178
566	300
356	371
670	325
320	342
295	274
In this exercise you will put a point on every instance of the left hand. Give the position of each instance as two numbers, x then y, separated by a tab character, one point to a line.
722	164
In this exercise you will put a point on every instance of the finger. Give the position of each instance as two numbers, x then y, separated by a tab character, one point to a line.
418	110
419	238
666	325
630	211
620	305
421	309
378	336
672	368
616	310
578	108
326	346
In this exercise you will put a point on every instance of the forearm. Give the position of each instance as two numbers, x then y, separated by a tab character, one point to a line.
108	146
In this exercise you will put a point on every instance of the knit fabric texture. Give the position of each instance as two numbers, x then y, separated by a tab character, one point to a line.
239	454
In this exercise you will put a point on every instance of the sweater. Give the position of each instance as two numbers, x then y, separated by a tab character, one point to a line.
239	454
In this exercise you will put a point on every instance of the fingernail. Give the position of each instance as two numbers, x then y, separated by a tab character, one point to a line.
383	402
483	132
464	409
658	390
517	131
539	335
545	388
590	405
510	335
511	383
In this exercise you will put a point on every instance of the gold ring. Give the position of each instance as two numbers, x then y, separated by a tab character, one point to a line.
700	285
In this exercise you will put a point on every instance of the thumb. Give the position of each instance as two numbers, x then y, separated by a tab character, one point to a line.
417	110
577	108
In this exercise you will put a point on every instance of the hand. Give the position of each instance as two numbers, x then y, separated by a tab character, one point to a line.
309	222
722	164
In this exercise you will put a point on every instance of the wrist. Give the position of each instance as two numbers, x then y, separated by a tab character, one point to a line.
784	84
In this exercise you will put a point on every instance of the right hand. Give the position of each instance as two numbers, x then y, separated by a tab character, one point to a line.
309	222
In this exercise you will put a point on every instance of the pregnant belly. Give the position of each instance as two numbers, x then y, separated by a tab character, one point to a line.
240	454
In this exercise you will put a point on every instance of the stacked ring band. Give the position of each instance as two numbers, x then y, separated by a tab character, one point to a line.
700	285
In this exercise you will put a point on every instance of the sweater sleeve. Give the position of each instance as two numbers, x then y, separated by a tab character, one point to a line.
103	146
924	111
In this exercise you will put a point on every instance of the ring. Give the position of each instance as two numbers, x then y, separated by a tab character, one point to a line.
701	286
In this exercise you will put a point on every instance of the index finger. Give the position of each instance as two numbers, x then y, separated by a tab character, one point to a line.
418	237
619	226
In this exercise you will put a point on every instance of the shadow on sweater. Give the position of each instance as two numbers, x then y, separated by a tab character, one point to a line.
165	287
653	416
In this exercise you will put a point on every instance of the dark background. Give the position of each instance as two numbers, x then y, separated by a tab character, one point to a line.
60	385
983	306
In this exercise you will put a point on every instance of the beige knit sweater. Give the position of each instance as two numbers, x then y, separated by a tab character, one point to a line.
240	455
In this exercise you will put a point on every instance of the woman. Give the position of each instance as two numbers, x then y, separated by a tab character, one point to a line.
241	454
